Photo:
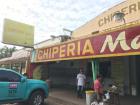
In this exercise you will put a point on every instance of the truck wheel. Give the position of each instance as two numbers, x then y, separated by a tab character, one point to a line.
37	98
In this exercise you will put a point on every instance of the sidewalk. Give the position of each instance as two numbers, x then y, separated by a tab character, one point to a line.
130	100
65	97
68	97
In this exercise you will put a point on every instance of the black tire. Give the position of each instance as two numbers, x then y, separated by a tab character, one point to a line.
37	98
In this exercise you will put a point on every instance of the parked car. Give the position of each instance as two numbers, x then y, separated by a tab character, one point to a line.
15	88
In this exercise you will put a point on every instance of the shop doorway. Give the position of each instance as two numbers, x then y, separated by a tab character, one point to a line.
89	76
105	72
105	69
63	74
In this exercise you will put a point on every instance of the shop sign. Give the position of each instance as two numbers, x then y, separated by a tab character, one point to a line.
118	43
129	8
16	33
105	21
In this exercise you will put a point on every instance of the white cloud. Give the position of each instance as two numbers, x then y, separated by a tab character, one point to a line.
51	16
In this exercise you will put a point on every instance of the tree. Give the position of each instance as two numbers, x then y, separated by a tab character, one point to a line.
6	52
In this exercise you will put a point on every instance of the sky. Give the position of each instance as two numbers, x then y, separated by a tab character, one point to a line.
50	17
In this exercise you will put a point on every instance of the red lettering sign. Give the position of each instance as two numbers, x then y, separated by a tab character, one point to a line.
118	43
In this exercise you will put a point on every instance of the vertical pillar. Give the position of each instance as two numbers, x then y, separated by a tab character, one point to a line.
21	68
95	68
26	66
10	65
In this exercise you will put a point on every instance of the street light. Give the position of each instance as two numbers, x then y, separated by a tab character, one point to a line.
119	16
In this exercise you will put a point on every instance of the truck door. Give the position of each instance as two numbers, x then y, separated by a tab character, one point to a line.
11	87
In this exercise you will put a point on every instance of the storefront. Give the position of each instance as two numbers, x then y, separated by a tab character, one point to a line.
115	55
121	71
19	61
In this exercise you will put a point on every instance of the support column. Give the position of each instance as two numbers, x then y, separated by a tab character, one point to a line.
26	66
95	68
20	68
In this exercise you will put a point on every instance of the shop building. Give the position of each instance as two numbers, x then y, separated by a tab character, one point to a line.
100	46
39	69
104	52
19	61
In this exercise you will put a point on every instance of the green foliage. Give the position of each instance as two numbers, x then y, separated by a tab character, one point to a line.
6	52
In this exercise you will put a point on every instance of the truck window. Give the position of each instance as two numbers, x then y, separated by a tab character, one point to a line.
8	76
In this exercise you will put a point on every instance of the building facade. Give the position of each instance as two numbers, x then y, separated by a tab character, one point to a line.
19	61
101	46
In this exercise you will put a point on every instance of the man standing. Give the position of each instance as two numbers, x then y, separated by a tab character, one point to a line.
80	83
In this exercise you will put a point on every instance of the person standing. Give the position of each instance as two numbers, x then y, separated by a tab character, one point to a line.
98	88
80	83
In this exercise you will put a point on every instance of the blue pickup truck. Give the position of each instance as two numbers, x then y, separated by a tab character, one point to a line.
16	88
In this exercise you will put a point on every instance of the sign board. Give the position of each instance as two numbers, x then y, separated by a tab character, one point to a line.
105	21
19	34
118	43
